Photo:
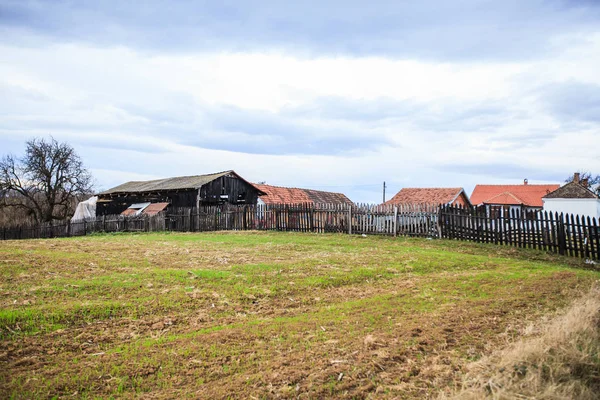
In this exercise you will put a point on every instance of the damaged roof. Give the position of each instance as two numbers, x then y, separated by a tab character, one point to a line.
285	195
176	183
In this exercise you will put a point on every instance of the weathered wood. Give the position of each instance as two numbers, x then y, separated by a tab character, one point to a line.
596	232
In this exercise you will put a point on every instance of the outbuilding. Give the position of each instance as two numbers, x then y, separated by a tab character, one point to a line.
183	191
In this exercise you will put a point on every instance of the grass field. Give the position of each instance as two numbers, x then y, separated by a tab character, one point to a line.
263	315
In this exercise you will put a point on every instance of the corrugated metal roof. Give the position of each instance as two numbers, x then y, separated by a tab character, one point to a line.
155	208
139	206
176	183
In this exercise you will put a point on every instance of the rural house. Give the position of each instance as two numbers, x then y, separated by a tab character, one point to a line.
573	198
285	195
505	198
432	196
184	191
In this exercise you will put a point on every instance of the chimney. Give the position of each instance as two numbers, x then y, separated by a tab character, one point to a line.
525	181
576	177
584	182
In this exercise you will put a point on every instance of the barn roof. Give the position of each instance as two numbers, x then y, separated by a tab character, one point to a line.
434	196
285	195
528	195
571	190
176	183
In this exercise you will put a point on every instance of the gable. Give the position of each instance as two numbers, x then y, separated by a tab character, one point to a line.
571	190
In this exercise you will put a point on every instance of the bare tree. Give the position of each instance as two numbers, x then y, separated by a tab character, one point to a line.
46	181
593	181
583	175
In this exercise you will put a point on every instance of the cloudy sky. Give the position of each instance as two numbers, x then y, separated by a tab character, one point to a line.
332	95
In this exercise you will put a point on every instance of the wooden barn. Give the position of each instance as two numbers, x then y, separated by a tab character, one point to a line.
184	191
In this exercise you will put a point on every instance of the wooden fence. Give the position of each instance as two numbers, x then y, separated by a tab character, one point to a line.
563	234
414	220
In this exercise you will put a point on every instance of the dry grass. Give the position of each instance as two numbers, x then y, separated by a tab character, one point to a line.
557	359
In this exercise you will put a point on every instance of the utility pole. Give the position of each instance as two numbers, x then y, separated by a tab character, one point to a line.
384	191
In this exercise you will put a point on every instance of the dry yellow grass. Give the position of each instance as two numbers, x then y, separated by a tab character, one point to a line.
556	359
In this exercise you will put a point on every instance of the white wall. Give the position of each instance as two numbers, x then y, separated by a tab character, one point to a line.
587	207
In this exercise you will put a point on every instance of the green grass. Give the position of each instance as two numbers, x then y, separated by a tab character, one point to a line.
266	314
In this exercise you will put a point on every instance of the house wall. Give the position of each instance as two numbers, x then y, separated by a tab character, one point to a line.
587	207
507	211
461	200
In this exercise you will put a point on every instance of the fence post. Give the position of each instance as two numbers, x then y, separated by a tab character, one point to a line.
395	221
439	221
349	219
562	240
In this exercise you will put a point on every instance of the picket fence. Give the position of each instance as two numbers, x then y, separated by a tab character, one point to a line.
563	234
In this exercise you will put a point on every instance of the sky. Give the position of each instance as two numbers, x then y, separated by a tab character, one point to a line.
332	95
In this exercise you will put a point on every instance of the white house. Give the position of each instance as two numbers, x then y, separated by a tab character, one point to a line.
573	198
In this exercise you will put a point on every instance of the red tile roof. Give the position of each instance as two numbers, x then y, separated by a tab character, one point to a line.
434	196
284	195
528	195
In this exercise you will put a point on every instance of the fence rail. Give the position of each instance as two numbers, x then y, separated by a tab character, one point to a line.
563	234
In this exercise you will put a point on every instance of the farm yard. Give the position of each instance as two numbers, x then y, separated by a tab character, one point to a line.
265	314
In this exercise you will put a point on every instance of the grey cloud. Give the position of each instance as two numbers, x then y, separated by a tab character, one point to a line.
325	126
260	132
512	171
439	115
466	29
573	101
